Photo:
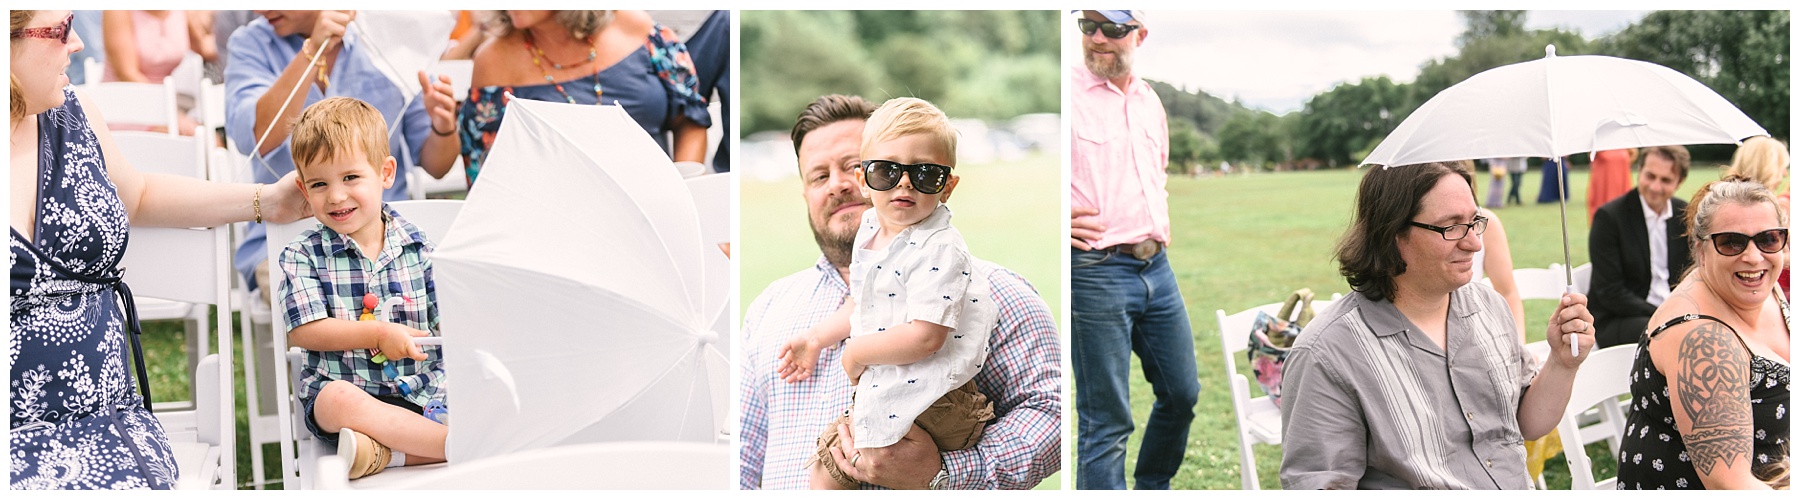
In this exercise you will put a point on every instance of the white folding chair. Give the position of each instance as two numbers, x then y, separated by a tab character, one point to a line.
170	154
616	466
302	453
1537	283
1584	277
130	103
1604	376
1258	419
193	266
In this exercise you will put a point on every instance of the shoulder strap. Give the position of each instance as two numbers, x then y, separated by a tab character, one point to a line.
1690	317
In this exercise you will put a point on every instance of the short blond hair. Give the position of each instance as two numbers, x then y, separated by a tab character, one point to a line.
1761	159
903	116
339	125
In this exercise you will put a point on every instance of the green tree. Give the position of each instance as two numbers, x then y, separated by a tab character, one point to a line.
1254	137
1742	55
1184	146
1338	122
1490	24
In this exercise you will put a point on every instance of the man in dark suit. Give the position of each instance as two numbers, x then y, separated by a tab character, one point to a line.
1638	250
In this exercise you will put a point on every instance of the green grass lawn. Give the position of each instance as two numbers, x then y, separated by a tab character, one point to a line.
1244	241
1008	213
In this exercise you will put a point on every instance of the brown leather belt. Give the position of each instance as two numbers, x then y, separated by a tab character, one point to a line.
1142	250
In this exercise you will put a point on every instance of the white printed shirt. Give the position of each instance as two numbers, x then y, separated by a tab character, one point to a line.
923	274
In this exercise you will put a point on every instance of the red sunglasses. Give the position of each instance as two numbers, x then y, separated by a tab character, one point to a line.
60	33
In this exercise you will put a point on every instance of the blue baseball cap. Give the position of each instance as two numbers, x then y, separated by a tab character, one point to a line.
1121	16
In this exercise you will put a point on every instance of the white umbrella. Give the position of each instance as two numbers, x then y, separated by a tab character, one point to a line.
574	292
1558	106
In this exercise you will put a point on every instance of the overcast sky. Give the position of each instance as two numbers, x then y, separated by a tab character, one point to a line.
1275	60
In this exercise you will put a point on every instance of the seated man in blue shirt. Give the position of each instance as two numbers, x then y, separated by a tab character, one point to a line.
271	55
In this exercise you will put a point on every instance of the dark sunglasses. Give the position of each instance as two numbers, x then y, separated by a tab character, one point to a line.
927	178
59	33
1732	244
1111	30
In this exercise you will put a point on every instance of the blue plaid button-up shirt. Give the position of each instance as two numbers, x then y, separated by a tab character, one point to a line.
1022	376
325	275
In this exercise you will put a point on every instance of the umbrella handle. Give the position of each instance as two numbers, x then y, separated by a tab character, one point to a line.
438	341
1573	339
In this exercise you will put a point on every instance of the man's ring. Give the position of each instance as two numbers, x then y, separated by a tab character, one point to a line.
854	458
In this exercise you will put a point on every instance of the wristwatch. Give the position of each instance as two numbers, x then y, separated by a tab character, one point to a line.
942	479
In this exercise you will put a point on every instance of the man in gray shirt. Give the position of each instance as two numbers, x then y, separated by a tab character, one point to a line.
1418	379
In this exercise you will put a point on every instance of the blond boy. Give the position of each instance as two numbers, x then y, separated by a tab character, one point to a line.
917	321
372	411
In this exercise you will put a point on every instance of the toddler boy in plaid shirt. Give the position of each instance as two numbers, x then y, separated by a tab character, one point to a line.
362	247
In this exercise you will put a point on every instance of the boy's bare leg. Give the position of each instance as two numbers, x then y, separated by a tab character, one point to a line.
341	404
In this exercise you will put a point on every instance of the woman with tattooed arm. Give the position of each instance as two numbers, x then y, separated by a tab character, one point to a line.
1710	385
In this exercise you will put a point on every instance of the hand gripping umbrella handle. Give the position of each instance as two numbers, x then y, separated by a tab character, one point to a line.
1574	339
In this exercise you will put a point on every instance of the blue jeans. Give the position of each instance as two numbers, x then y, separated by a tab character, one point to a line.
1123	305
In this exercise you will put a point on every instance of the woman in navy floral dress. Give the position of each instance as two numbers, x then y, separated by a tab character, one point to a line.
77	418
618	58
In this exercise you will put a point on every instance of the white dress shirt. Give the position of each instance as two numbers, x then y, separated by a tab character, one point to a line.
1657	225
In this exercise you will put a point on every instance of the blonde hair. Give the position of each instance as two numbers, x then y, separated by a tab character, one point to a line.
1761	159
580	23
20	18
339	125
903	116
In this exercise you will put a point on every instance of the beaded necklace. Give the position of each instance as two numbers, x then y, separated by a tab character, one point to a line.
538	58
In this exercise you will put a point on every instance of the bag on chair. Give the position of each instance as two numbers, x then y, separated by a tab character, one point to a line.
1270	338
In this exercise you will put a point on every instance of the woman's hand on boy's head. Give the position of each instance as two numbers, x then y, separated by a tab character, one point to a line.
282	201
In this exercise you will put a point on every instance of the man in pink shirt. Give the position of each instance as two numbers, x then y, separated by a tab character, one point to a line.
1125	296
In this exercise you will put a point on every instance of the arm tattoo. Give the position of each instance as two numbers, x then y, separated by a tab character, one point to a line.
1715	392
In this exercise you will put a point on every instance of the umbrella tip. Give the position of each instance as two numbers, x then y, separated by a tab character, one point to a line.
1550	50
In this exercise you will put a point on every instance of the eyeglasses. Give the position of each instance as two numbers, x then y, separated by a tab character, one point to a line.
1732	244
1455	232
927	178
60	33
1111	30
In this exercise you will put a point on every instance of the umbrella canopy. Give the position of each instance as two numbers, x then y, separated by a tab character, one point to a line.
1559	106
404	42
573	292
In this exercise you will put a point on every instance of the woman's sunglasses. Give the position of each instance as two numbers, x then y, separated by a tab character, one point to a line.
927	178
1732	244
1111	30
60	33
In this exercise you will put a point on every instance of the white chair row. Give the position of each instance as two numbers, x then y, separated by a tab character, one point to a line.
1258	419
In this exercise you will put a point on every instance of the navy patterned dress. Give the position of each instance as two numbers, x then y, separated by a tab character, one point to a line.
78	421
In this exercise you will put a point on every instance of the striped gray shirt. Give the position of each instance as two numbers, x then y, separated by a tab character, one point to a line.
1370	402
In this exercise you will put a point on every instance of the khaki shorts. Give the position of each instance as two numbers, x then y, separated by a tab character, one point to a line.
954	421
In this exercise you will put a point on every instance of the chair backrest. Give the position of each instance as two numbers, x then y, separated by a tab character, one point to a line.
459	72
1584	277
1604	376
148	104
1234	329
1537	283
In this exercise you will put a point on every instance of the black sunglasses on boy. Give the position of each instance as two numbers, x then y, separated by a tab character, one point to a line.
927	178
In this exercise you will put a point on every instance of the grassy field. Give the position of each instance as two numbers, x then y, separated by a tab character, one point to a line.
1244	241
1007	212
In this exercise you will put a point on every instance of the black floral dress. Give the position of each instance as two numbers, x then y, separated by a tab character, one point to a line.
78	421
1652	455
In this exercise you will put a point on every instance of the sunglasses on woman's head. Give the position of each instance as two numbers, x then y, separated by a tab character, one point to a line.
1732	244
927	178
60	33
1111	30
